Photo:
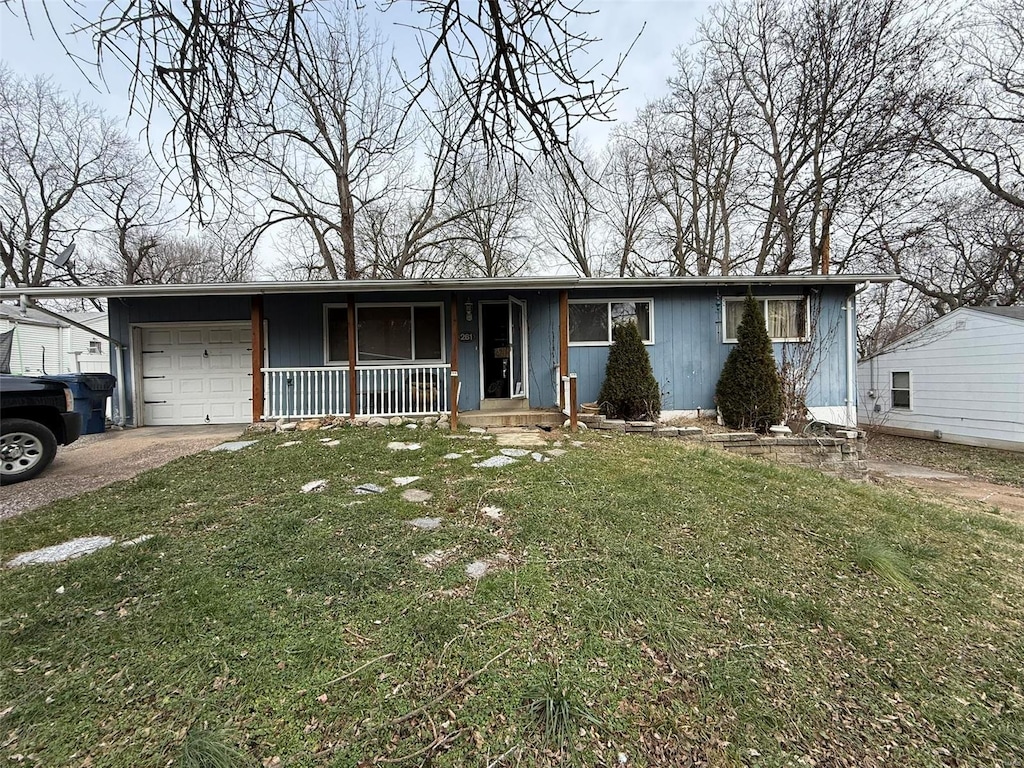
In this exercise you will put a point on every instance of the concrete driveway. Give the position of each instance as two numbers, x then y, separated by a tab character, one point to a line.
94	461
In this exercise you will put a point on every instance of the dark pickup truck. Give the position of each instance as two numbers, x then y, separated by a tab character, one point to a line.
36	415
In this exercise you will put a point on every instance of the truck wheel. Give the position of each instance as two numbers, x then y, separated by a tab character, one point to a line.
26	449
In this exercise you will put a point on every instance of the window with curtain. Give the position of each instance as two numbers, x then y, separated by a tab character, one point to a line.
785	318
387	334
591	322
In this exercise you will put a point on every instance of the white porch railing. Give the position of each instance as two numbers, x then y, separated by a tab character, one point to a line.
381	390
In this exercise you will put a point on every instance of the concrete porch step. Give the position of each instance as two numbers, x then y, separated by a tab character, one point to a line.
504	404
512	418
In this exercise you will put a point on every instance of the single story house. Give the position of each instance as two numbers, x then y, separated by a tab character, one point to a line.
958	379
241	352
42	343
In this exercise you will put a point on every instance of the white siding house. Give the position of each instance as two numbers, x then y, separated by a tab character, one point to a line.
958	379
43	344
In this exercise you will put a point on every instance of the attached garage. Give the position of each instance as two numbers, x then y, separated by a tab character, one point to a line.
195	373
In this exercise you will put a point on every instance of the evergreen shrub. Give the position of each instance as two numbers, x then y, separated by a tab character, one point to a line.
630	390
749	393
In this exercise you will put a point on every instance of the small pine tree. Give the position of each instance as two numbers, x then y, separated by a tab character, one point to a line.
630	390
749	394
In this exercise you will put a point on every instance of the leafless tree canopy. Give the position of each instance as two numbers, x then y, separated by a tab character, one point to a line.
515	65
875	135
55	154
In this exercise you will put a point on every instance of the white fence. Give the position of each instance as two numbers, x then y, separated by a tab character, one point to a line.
395	390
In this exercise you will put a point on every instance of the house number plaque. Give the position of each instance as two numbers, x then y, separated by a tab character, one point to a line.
467	336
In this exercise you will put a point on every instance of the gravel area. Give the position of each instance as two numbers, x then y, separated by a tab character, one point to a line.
94	461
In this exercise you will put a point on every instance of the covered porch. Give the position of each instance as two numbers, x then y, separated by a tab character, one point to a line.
496	363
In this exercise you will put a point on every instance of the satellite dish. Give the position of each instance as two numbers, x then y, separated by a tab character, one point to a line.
64	255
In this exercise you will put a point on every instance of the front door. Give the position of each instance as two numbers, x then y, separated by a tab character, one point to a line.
503	348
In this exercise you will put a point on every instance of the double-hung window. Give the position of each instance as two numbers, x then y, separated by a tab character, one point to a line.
386	333
901	389
591	322
785	318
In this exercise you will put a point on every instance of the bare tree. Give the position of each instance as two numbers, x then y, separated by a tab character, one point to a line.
696	161
564	193
517	66
972	121
627	201
332	143
488	218
827	85
971	248
56	153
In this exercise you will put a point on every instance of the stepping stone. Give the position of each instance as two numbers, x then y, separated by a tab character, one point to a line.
477	569
332	443
416	496
404	446
426	523
60	552
367	488
517	437
495	461
556	452
576	443
477	431
400	481
456	437
325	440
137	540
492	512
540	457
290	443
516	453
412	426
436	558
314	486
452	456
236	445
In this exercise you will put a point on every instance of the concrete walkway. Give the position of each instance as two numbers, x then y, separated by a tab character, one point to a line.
94	461
945	485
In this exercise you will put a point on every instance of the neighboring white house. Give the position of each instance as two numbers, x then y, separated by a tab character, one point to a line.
43	344
958	379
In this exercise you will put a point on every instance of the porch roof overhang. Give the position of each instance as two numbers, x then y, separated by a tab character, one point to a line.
564	282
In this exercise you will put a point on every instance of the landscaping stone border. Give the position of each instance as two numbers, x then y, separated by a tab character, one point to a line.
840	455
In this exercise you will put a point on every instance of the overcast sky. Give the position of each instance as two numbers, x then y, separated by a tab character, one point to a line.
666	25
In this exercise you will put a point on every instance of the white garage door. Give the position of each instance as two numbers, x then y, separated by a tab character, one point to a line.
197	374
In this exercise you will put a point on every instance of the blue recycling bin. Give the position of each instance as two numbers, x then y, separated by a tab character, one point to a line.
90	391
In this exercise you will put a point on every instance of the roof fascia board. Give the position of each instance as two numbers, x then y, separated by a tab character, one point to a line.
479	284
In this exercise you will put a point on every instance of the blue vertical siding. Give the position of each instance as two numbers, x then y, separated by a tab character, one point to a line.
687	355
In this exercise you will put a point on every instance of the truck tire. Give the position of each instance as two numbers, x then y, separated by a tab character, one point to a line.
26	449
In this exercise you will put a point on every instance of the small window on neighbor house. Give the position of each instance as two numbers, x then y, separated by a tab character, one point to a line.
901	389
95	347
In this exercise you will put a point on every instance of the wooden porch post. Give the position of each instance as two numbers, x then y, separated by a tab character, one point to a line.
256	321
353	395
573	406
563	343
454	383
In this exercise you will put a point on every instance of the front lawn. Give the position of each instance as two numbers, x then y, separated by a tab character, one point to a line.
646	601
